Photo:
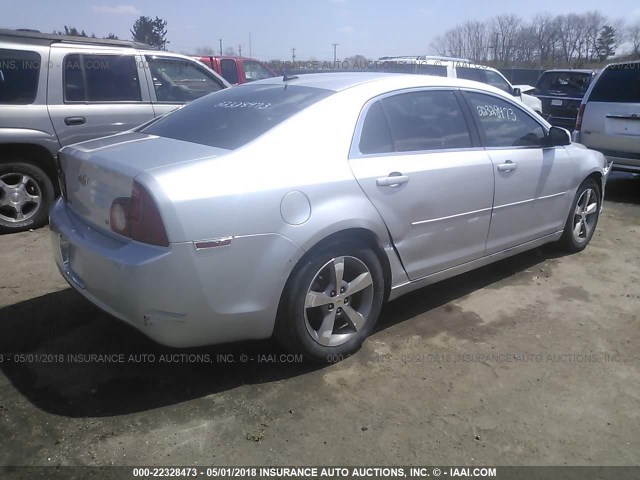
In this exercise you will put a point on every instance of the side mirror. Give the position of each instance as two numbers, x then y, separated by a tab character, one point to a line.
517	92
557	137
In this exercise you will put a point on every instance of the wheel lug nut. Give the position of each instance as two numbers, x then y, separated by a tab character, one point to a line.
339	310
346	300
333	293
331	306
342	290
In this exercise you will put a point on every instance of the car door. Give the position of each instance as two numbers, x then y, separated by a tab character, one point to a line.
94	93
420	165
176	81
532	182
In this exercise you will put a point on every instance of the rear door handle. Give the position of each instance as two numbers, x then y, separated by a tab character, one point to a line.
393	180
507	166
75	120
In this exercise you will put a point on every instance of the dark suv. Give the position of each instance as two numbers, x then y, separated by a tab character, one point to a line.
561	92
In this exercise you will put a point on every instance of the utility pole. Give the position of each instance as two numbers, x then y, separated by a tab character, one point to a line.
220	47
335	48
293	54
239	50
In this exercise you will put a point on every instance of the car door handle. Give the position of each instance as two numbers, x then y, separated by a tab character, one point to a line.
507	166
75	120
393	180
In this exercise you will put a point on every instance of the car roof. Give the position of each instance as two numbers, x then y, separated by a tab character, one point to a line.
569	70
339	81
38	38
223	57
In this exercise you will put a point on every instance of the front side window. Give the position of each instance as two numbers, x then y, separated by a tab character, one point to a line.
496	80
229	70
255	71
232	117
101	78
426	120
503	123
180	80
19	73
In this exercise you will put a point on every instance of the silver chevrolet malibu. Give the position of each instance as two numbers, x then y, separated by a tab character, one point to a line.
296	206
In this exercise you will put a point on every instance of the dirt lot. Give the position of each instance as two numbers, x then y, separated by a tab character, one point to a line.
551	374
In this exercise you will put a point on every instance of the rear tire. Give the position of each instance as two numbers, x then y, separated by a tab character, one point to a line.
583	218
331	302
26	192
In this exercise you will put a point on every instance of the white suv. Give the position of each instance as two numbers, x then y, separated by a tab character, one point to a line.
458	68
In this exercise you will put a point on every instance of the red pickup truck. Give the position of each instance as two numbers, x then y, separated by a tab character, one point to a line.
237	70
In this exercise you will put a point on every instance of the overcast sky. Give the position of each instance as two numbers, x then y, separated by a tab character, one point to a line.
369	27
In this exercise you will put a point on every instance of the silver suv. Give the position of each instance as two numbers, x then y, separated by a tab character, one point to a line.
57	90
609	116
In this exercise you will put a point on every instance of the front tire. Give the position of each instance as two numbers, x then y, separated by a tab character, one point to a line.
331	302
583	218
26	192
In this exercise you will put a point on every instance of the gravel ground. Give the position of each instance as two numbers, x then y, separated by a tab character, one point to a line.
530	361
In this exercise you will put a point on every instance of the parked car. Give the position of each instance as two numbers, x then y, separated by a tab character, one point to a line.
609	116
458	68
237	70
295	206
57	90
561	92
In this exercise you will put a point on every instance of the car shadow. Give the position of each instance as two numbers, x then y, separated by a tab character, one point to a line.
47	343
623	188
71	359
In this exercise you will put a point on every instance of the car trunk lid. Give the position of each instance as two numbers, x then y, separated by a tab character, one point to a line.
97	172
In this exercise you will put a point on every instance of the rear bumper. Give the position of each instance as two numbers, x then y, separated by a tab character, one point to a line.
178	296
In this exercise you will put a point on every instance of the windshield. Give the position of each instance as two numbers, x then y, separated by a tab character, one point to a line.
568	83
230	118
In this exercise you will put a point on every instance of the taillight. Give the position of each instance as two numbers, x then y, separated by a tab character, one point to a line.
579	117
138	218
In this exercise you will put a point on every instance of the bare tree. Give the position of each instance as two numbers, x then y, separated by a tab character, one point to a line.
206	50
545	30
633	37
506	29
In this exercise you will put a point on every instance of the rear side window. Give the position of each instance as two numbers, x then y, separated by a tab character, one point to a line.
235	116
618	83
427	120
504	124
437	70
229	70
101	78
178	80
474	74
19	73
375	137
255	71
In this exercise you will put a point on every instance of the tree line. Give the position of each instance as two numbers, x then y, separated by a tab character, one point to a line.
545	41
145	30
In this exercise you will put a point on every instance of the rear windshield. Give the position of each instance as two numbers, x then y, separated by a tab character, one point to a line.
230	118
568	83
618	83
19	72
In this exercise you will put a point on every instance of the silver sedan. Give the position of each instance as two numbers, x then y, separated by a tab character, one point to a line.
296	206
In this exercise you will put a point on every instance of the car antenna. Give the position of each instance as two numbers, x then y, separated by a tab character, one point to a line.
286	77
